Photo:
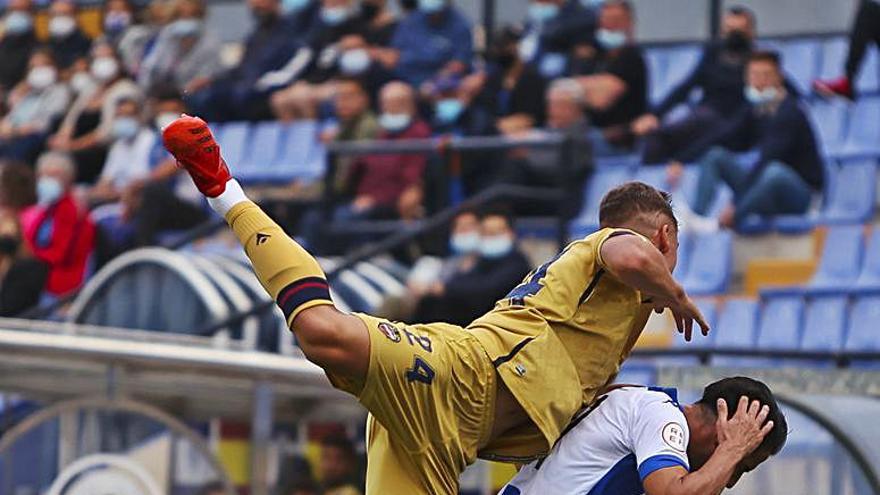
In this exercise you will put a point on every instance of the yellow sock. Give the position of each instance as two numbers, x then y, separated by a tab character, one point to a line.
287	271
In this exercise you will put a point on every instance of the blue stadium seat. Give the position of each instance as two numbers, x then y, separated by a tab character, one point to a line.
868	80
781	322
800	60
709	308
862	334
684	255
653	176
863	131
263	148
833	57
869	278
829	121
301	155
709	269
736	328
824	324
233	138
668	66
852	193
841	260
602	181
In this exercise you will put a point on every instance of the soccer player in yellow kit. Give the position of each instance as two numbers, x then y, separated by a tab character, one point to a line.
503	388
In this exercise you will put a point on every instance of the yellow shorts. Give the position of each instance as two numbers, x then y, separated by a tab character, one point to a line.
430	390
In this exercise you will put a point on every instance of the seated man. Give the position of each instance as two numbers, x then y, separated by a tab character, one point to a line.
553	29
67	42
637	440
720	75
789	169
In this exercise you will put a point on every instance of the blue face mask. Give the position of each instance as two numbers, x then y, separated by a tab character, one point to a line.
354	62
610	39
466	243
49	190
496	246
431	6
185	27
394	122
759	97
125	127
542	12
448	110
18	22
334	16
293	6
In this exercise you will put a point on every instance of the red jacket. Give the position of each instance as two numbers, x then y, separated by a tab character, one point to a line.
63	236
385	177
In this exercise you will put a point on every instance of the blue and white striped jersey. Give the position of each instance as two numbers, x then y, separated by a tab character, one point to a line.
611	448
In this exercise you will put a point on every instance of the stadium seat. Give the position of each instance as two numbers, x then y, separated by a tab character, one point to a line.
709	308
868	80
601	182
301	155
653	176
869	278
829	121
263	148
833	57
800	60
863	130
862	334
684	255
668	66
736	328
780	327
824	324
841	260
852	193
710	263
233	140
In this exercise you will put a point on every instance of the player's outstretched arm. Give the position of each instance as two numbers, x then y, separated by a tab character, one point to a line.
337	342
738	437
640	265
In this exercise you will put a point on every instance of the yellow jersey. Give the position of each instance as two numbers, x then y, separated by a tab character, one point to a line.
557	339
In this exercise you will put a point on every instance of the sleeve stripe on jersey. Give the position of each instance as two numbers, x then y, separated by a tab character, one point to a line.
659	462
590	288
302	292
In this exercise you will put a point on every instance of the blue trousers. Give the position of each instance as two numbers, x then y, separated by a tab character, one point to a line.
778	189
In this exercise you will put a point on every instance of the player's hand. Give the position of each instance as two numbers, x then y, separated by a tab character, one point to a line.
645	124
685	313
745	431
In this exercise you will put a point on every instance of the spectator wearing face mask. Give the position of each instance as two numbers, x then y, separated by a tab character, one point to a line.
456	111
720	77
435	40
133	35
613	74
118	18
185	55
469	294
301	17
789	169
34	104
58	230
129	157
22	277
66	41
17	42
86	130
553	29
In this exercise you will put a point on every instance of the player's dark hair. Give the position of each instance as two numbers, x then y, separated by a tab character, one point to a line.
499	210
624	4
731	389
621	204
743	11
768	56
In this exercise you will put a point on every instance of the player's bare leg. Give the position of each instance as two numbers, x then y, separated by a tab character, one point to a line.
333	340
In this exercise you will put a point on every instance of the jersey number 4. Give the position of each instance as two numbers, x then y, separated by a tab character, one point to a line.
420	372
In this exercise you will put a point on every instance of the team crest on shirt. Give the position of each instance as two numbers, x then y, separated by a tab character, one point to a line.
390	331
673	435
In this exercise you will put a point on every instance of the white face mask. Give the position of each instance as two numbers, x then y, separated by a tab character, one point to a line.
42	77
125	127
82	82
49	190
354	62
761	97
165	119
394	122
611	39
465	243
496	246
104	68
62	26
18	22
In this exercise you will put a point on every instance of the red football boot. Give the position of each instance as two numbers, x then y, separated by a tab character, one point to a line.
839	87
194	148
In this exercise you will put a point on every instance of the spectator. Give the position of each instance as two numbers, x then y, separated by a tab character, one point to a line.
34	104
789	169
17	43
553	30
57	229
233	95
339	467
301	16
613	74
456	112
86	130
435	40
390	185
118	18
17	187
865	29
22	278
129	156
720	75
134	40
185	54
513	90
541	167
66	41
80	78
469	294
